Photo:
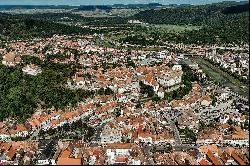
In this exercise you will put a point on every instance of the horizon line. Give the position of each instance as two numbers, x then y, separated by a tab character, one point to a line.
223	1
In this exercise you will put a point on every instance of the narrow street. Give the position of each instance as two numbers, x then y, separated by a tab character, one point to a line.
176	133
148	152
185	147
98	130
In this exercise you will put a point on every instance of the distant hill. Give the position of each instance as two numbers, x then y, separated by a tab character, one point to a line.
236	9
226	22
8	7
195	15
231	29
83	7
16	27
91	8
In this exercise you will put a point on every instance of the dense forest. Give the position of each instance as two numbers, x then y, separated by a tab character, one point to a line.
194	15
46	25
233	29
222	22
70	17
21	94
17	27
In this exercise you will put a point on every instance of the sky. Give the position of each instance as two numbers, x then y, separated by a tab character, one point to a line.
101	2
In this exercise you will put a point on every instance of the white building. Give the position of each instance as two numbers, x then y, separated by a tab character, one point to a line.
4	135
117	149
32	69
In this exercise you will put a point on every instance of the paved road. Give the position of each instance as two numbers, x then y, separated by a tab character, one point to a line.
149	154
174	129
225	106
184	147
97	134
176	133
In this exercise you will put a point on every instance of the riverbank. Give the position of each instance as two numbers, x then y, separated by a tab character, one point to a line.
222	77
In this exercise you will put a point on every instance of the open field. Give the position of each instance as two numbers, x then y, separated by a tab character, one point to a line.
171	28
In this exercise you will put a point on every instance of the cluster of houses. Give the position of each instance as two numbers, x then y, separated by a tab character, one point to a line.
45	121
136	129
174	158
11	59
55	152
223	135
17	152
127	122
236	63
123	79
214	155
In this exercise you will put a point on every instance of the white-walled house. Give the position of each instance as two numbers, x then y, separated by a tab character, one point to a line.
19	131
4	135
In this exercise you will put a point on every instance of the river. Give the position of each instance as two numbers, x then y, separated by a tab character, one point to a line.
219	77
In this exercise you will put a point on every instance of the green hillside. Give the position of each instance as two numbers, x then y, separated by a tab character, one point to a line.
222	22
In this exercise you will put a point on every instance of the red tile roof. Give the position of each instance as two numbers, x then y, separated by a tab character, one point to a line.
121	159
203	162
237	158
213	158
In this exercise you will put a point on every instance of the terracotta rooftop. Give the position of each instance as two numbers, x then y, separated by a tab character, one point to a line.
11	153
120	146
121	159
237	158
21	127
65	154
213	158
5	146
9	57
69	161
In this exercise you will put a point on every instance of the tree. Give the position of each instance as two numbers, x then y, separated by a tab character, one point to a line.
90	133
246	125
108	91
146	89
117	112
214	101
101	91
230	122
123	140
156	99
202	126
187	162
190	134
